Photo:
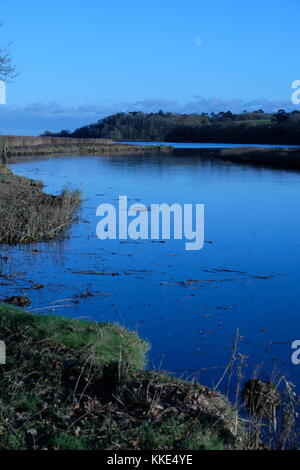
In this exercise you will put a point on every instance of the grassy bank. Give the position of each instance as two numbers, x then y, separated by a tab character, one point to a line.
22	146
71	384
28	214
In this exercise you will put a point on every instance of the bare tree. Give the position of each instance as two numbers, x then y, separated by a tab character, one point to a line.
8	69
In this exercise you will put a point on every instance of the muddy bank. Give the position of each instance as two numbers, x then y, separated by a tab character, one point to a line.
20	146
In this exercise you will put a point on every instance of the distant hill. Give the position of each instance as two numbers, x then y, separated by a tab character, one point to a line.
255	127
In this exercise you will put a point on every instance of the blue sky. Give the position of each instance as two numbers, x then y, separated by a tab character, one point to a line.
82	60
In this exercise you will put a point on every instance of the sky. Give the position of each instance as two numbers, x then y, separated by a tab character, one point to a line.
81	61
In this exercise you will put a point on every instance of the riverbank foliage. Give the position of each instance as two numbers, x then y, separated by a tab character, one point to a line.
255	127
71	384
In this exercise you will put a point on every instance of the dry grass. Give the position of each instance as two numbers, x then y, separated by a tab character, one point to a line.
29	215
269	406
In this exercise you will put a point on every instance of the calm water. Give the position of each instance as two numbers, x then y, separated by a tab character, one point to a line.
248	273
199	145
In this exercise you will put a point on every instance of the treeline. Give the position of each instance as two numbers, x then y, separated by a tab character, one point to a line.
255	127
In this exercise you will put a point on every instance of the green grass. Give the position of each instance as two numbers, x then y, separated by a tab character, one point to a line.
71	384
172	433
104	342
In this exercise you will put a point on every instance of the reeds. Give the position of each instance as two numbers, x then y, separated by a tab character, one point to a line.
266	409
29	215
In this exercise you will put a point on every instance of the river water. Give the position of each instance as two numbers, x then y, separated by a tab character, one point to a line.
205	145
246	277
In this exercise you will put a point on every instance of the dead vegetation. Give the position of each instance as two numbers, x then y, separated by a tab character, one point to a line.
268	408
27	214
26	146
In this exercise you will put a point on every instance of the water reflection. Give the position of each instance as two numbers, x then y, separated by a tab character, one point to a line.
187	304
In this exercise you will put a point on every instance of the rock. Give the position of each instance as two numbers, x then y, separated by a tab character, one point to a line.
18	301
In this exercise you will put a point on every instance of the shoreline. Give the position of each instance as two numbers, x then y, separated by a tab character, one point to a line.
14	147
26	146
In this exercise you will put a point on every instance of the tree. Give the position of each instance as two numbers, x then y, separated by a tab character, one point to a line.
281	116
65	133
8	69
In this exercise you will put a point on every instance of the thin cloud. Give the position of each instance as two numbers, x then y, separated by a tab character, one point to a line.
198	41
35	118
